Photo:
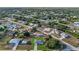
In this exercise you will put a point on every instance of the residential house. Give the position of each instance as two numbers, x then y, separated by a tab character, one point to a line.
47	30
76	24
64	35
55	31
64	19
22	22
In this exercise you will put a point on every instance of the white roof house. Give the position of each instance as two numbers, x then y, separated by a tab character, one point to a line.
76	24
64	19
64	35
23	22
74	16
47	29
24	42
31	24
30	27
35	25
54	31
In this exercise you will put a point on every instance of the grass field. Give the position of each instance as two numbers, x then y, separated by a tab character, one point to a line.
40	47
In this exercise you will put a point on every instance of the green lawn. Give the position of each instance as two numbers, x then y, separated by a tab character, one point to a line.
40	47
3	42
